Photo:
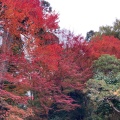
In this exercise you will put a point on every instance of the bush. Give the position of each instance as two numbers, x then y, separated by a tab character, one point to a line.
107	68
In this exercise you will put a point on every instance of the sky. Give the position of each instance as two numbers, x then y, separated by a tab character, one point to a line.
81	16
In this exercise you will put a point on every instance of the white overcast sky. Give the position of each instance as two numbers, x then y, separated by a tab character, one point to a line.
82	16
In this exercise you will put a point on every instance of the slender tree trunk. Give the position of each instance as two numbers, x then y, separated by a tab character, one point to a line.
4	49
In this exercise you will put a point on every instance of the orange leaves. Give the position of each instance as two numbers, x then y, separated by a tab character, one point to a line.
16	113
15	12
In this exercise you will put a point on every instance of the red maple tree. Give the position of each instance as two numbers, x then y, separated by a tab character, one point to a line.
43	67
104	45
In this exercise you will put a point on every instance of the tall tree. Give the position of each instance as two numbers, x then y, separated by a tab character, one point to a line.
113	30
50	71
103	89
18	18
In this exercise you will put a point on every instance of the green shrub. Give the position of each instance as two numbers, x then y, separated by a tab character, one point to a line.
107	68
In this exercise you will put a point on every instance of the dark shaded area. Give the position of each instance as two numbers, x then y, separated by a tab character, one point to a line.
89	35
77	114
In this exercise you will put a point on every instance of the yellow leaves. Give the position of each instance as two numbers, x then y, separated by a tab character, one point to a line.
117	92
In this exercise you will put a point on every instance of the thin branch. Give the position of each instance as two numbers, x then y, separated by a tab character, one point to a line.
112	105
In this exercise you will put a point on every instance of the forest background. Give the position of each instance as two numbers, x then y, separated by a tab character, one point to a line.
51	74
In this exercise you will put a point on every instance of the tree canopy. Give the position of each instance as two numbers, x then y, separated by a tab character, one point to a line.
42	74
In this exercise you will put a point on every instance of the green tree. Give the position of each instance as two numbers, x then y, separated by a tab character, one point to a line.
107	67
110	30
89	35
103	90
104	104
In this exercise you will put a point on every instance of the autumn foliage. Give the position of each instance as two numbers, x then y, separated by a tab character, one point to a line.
104	45
26	17
34	62
37	70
